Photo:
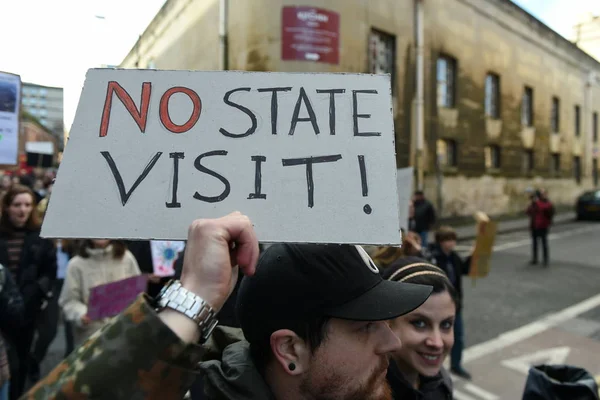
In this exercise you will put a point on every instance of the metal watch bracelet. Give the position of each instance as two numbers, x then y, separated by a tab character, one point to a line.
178	298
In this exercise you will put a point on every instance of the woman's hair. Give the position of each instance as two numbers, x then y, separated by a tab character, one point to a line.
33	223
386	256
118	248
418	271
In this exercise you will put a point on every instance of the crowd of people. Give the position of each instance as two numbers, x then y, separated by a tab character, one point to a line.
309	321
44	281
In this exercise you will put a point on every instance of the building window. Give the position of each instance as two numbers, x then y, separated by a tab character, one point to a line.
527	107
382	55
492	157
595	127
446	82
43	92
577	169
555	122
492	96
528	160
446	153
595	171
43	121
577	121
555	163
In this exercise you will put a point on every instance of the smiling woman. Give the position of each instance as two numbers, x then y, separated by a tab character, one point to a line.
427	334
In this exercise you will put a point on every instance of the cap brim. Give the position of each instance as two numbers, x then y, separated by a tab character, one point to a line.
386	300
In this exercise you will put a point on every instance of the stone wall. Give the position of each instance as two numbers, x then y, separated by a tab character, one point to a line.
482	35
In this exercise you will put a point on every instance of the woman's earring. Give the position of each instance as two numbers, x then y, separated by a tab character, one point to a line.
292	366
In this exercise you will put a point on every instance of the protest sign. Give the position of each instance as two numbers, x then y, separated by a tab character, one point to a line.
164	255
308	157
39	154
110	299
484	246
405	188
10	110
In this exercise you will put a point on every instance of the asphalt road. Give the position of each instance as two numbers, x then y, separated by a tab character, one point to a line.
516	293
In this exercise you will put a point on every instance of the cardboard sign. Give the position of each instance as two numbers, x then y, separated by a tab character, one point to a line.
484	247
164	255
10	107
110	299
310	34
308	157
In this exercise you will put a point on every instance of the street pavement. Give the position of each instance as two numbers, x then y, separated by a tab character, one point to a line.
520	314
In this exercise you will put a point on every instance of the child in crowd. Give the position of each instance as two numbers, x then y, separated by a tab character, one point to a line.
443	254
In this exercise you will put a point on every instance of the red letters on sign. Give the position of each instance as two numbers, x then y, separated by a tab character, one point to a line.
165	118
140	116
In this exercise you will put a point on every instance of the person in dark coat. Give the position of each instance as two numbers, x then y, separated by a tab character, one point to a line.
11	317
541	213
443	255
424	217
427	334
32	262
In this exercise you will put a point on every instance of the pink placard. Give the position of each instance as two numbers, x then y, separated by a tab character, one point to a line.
111	298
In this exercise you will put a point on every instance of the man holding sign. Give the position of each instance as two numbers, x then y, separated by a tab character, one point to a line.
310	159
319	312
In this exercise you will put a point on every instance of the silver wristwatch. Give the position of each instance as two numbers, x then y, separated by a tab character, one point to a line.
178	298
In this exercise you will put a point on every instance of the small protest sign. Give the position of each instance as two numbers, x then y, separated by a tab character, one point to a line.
40	154
10	113
110	299
484	246
308	157
164	255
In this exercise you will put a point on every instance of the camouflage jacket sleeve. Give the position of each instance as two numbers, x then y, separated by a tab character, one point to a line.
135	357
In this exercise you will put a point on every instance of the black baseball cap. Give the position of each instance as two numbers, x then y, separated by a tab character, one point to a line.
301	281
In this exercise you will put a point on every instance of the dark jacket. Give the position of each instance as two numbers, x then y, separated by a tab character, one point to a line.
438	387
36	272
11	302
460	267
541	213
424	216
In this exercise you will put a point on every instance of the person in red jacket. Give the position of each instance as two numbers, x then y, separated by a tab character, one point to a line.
541	212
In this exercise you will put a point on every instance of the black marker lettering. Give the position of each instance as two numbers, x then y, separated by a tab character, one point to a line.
332	93
125	194
363	182
309	161
302	97
176	157
201	168
356	115
249	113
258	179
274	104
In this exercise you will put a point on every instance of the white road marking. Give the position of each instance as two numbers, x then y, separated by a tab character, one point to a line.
476	390
522	364
525	332
458	395
552	236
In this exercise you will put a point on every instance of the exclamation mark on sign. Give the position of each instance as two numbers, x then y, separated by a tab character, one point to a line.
363	181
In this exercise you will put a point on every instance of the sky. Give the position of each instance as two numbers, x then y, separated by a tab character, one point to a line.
54	42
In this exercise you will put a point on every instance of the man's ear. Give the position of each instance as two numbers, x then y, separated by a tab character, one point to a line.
291	353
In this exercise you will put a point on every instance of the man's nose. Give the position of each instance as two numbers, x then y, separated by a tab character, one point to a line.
389	341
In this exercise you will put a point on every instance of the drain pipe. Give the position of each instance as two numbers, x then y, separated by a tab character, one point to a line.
223	39
420	102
